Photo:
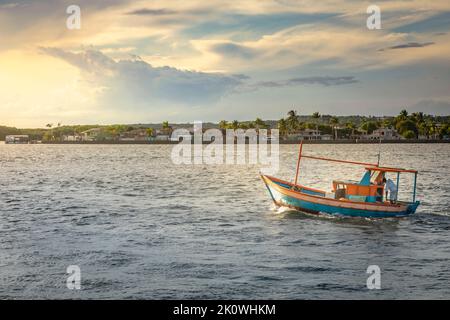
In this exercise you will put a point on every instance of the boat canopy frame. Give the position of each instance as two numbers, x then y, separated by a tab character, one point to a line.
368	166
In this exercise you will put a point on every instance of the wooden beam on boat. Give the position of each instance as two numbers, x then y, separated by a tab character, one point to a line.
390	169
341	161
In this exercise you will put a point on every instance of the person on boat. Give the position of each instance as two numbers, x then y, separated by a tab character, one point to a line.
392	189
379	194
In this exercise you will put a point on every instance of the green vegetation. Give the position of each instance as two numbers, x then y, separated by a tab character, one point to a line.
419	124
409	126
257	124
369	126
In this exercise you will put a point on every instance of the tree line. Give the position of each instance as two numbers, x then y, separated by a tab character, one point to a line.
410	126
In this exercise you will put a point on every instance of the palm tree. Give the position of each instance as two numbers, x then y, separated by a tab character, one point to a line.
165	124
260	124
149	132
223	124
292	114
59	131
292	121
282	127
418	117
315	116
403	115
351	126
424	129
334	121
235	125
433	129
50	125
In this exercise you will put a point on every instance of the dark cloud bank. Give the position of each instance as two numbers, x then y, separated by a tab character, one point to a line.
135	82
408	45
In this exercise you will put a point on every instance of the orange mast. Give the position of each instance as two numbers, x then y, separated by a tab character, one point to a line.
298	162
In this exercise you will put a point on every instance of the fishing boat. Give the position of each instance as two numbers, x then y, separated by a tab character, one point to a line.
365	198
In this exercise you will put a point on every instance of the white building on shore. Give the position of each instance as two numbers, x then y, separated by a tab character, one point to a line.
309	134
91	134
17	139
382	133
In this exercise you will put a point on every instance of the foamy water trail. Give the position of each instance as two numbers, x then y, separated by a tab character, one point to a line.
278	210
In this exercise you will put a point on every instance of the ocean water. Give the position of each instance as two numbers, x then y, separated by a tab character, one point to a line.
140	227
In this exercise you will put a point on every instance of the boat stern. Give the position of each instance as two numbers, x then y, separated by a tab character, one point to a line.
412	207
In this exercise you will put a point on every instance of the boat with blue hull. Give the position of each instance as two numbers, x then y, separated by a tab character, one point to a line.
365	198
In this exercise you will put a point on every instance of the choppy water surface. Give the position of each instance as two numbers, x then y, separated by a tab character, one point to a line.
141	227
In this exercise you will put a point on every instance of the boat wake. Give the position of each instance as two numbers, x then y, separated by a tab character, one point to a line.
279	210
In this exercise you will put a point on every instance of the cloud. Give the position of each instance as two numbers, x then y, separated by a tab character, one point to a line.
9	5
319	80
279	34
90	61
438	22
409	45
252	25
135	83
151	12
232	50
25	23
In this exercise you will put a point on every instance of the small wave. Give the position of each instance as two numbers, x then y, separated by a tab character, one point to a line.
279	210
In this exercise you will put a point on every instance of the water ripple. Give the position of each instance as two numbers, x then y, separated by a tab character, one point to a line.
140	227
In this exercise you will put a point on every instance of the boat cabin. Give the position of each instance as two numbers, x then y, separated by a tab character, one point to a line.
369	189
371	186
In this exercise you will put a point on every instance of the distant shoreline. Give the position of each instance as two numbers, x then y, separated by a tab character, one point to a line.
412	141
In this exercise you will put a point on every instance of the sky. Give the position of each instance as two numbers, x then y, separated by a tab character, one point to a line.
191	60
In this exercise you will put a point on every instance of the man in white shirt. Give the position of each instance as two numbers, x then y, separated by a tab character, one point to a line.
392	188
